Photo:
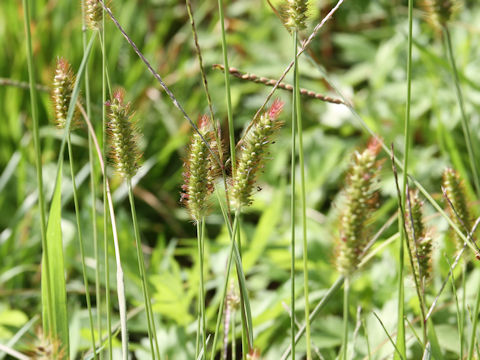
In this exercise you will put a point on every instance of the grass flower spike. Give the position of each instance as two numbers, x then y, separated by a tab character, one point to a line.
63	83
456	194
200	171
420	241
252	155
296	14
361	200
93	14
440	12
123	136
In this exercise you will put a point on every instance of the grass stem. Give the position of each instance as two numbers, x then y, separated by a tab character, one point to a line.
82	247
346	303
48	321
231	130
465	126
296	94
143	274
401	220
200	243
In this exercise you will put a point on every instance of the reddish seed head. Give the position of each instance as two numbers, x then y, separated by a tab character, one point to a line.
275	109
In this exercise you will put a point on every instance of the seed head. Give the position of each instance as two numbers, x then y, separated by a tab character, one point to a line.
253	151
440	12
200	171
455	192
420	241
45	348
295	14
361	200
123	136
63	83
93	14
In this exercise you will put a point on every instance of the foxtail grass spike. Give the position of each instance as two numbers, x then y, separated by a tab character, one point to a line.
455	192
295	14
252	155
63	83
123	136
440	12
200	171
361	200
420	241
93	14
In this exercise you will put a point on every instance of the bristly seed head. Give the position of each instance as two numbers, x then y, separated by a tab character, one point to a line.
295	14
63	83
252	155
93	14
123	136
361	199
455	192
440	12
200	171
420	240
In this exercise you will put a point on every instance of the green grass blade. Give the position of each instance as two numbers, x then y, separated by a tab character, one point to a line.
59	327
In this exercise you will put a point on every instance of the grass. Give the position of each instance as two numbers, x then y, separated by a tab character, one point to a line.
361	51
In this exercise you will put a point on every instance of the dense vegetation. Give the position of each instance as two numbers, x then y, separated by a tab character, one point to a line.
358	72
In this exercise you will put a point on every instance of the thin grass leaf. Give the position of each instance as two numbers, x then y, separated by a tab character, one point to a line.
59	329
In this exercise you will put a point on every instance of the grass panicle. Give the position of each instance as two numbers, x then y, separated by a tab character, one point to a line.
361	199
62	88
420	240
455	191
200	171
252	155
295	14
93	14
440	12
123	136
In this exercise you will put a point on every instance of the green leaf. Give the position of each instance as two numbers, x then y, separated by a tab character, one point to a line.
59	328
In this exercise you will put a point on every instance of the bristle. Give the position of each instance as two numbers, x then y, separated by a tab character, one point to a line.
123	136
201	171
93	14
455	192
295	14
63	83
420	241
361	200
252	155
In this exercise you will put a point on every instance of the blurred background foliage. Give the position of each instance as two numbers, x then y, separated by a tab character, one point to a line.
361	52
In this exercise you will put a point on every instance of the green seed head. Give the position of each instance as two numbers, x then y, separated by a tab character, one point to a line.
63	83
123	136
440	12
420	241
296	14
93	14
455	192
253	151
200	171
360	201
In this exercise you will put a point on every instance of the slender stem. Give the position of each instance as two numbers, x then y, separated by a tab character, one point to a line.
296	94
346	303
82	248
401	220
234	336
200	238
461	321
473	336
245	346
38	165
292	202
465	127
105	206
93	190
141	267
231	134
225	287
